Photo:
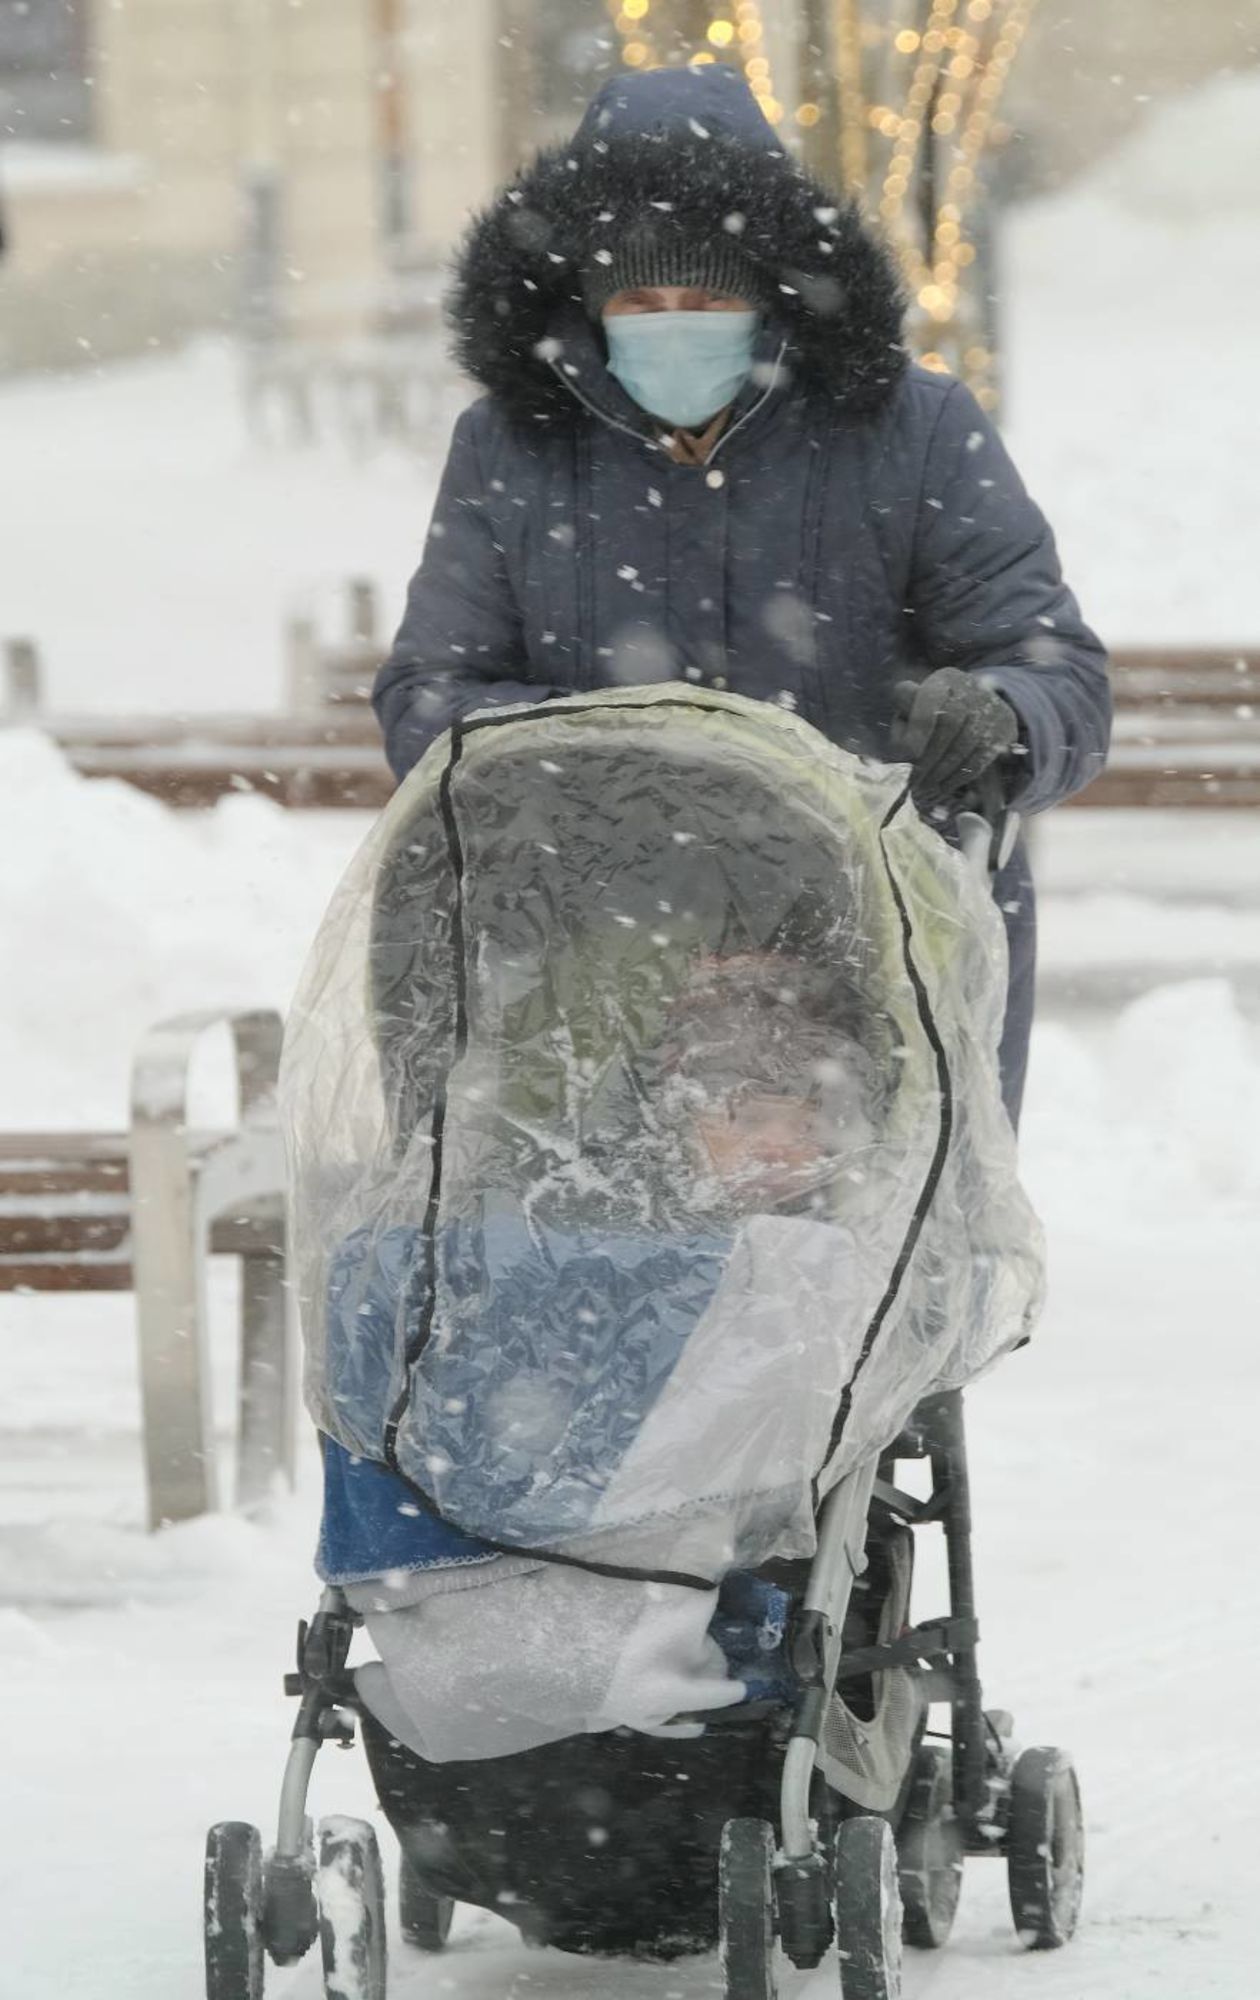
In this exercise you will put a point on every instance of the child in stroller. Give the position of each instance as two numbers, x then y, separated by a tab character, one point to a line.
665	1178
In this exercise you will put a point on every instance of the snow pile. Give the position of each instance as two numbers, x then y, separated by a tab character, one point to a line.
1194	159
1154	1118
158	550
119	912
1128	305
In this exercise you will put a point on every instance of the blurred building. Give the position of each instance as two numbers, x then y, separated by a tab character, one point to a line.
167	165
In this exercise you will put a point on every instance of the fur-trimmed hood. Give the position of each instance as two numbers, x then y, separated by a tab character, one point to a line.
683	151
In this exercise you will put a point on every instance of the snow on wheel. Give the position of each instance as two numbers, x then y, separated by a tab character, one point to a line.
868	1910
929	1851
351	1889
425	1920
1045	1849
232	1910
746	1910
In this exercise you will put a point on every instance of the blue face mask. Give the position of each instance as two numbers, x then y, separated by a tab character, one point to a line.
681	366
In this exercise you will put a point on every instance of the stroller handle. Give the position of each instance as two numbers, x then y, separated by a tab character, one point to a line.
987	826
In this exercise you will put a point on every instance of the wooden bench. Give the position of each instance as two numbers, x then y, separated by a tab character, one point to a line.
142	1211
1187	731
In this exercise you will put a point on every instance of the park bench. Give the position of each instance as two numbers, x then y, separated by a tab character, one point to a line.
1187	729
143	1211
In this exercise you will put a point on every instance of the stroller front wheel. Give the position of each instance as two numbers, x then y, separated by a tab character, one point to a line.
1045	1850
233	1912
746	1910
351	1890
868	1910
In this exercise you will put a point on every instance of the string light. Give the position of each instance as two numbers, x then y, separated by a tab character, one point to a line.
631	18
955	63
732	34
958	63
848	32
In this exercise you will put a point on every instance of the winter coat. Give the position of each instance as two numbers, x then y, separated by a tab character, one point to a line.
858	523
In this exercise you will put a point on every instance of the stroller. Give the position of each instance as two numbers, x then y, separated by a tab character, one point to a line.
652	1203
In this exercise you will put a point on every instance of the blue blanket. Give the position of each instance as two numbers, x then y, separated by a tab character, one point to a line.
549	1346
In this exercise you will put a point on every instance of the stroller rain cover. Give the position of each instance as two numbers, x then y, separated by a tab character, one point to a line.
647	1158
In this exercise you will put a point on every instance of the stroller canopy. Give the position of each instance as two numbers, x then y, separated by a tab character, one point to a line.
647	1157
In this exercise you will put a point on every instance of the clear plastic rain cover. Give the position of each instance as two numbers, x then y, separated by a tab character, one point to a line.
647	1158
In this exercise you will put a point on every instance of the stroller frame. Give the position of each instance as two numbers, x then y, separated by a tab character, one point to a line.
944	1648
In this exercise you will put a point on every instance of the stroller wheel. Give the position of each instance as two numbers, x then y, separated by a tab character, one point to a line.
746	1910
351	1890
425	1920
868	1910
929	1852
233	1912
1045	1850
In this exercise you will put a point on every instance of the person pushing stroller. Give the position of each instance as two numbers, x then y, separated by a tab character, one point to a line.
703	455
647	1154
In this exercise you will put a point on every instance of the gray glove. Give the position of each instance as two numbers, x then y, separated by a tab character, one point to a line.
952	729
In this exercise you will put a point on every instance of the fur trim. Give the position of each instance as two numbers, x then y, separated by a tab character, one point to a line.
518	274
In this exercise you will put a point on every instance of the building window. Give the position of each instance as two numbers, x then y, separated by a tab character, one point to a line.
45	91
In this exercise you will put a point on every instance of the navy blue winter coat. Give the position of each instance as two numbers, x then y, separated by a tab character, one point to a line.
858	521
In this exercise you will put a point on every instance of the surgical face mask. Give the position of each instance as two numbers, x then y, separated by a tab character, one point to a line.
681	366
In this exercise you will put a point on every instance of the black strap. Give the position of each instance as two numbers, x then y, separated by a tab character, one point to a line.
919	1646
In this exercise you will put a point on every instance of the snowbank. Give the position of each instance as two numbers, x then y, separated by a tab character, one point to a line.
117	912
158	550
1194	158
1128	305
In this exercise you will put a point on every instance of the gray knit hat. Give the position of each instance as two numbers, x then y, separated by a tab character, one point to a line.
669	256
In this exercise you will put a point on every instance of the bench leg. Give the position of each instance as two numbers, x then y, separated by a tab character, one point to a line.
169	1251
265	1444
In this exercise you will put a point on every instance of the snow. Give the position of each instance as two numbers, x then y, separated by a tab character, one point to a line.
1113	1462
1127	309
182	546
54	169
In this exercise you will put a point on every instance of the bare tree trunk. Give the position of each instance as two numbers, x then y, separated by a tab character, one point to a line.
515	79
817	82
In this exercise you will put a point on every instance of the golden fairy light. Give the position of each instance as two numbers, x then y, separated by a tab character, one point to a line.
733	33
934	104
848	39
916	90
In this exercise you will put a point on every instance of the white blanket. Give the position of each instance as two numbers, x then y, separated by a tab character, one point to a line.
502	1656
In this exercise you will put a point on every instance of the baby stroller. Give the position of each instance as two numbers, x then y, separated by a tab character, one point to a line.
652	1202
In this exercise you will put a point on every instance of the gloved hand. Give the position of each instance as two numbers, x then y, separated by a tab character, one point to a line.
952	729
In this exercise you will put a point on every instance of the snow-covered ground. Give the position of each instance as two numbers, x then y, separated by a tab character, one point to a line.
1114	1462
